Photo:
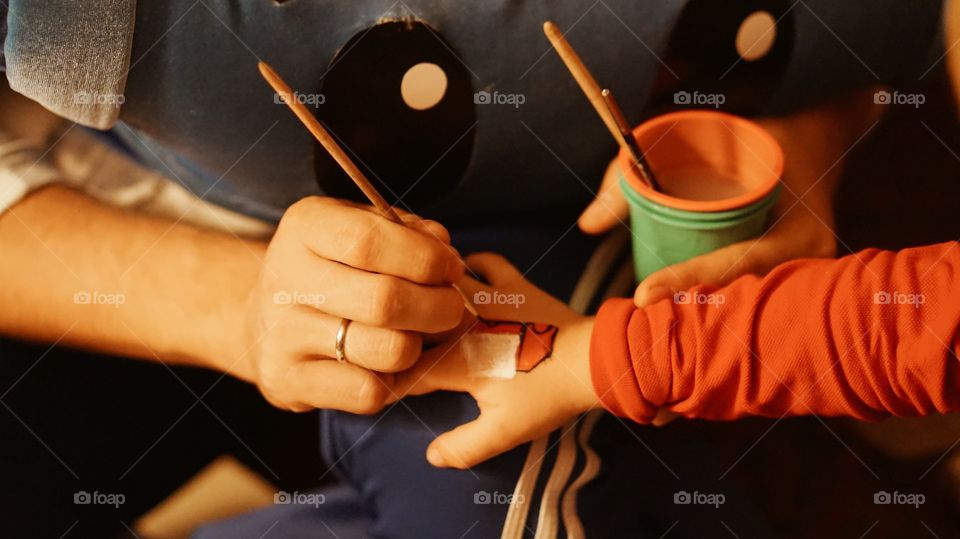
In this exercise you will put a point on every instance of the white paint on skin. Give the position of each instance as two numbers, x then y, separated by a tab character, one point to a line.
491	355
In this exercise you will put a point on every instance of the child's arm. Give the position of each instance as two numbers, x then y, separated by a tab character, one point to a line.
870	334
815	142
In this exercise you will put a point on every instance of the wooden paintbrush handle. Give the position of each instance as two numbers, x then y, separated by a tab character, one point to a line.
583	77
326	140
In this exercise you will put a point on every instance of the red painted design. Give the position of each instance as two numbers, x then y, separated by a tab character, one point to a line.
536	340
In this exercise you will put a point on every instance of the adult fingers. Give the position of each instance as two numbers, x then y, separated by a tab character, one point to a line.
378	300
795	234
427	227
315	334
441	368
609	208
366	241
327	384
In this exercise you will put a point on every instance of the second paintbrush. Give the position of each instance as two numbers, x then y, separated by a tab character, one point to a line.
637	155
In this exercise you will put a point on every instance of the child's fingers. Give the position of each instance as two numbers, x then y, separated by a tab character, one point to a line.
664	417
470	444
495	269
717	268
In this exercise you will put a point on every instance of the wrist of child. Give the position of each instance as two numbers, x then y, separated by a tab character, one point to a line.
573	350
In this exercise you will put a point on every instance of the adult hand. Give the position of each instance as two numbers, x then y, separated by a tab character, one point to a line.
332	260
814	141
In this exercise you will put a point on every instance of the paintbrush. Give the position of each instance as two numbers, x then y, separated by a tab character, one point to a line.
631	144
340	156
592	90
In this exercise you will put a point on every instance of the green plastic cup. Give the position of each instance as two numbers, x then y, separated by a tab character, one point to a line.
719	176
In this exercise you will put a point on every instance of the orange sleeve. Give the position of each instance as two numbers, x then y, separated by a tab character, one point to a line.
868	335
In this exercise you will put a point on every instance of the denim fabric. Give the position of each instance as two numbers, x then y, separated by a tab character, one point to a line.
391	492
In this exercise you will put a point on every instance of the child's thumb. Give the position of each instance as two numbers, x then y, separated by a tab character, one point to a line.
467	445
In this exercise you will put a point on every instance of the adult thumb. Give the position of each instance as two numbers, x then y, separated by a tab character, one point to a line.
609	208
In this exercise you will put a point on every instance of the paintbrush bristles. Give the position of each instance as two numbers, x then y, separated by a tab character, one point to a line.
582	75
326	140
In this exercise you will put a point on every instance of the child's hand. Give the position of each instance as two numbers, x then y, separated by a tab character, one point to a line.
815	142
512	410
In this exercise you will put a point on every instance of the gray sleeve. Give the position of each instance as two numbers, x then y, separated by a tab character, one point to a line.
71	56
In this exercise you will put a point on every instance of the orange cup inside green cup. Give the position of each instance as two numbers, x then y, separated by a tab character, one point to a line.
719	176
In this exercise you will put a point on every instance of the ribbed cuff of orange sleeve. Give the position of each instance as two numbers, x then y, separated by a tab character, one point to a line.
611	365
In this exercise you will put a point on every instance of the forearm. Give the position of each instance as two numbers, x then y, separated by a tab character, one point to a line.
97	277
812	337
